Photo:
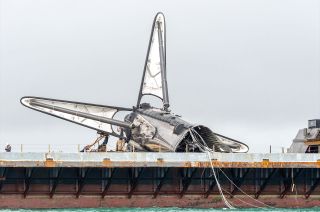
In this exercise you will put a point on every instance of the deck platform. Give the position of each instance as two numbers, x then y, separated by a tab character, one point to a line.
147	159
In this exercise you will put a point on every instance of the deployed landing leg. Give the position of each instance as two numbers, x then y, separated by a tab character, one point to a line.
101	148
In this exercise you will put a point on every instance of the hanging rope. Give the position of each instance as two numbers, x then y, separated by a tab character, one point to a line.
294	187
243	191
229	205
244	201
204	147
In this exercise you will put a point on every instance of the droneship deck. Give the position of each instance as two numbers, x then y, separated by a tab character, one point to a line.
151	159
141	179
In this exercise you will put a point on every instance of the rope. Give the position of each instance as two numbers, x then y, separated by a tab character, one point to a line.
208	151
244	201
294	187
292	181
243	191
229	205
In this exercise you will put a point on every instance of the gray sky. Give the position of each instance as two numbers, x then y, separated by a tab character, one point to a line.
247	69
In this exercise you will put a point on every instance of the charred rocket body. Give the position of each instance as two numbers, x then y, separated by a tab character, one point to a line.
144	128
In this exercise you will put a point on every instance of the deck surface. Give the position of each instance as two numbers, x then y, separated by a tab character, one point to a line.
147	159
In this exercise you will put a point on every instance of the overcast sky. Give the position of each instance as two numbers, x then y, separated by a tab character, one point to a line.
246	69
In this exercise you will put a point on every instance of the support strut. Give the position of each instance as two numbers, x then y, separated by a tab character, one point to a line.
3	177
156	192
134	183
288	183
55	182
266	181
312	188
187	182
238	183
27	181
108	184
81	182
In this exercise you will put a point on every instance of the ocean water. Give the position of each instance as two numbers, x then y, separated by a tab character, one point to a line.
155	209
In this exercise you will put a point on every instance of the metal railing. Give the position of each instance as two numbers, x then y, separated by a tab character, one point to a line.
43	147
72	148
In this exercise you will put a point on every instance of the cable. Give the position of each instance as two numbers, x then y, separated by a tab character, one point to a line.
243	191
244	201
229	205
294	187
208	151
